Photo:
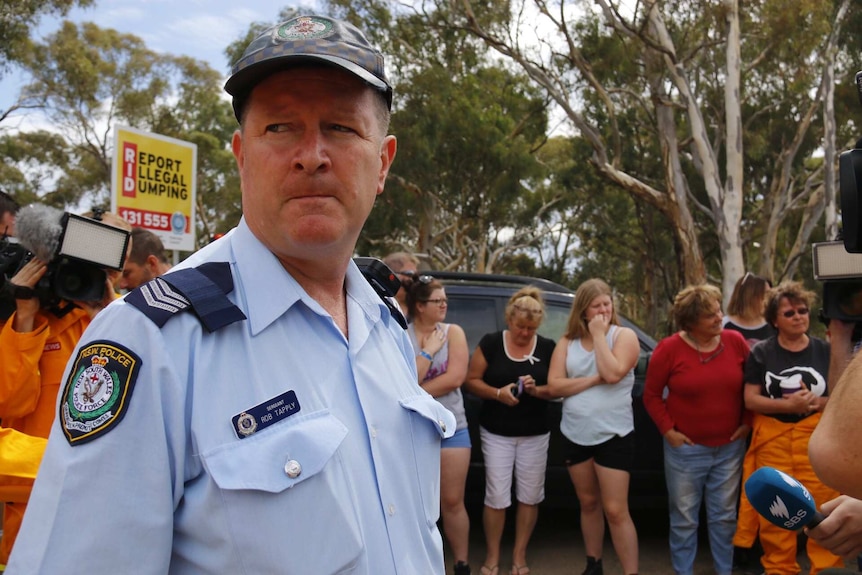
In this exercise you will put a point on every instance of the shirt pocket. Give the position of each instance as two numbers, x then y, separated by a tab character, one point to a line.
429	423
285	494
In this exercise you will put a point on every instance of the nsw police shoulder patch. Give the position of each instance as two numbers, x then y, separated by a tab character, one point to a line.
96	395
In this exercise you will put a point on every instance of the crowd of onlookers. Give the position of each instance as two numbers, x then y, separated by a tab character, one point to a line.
729	393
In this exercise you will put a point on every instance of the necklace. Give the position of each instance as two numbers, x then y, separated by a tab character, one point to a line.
711	356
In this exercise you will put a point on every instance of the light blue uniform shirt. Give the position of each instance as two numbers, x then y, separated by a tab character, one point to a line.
347	484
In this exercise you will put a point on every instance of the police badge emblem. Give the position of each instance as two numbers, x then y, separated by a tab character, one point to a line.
246	424
303	28
97	393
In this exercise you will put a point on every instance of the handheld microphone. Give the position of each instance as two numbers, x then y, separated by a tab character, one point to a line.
39	228
781	499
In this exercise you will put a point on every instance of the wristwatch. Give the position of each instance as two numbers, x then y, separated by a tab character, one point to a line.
22	292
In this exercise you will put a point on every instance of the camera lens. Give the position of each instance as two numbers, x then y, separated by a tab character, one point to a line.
849	298
78	281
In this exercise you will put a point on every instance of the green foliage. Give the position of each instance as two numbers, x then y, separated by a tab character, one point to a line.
466	129
18	18
477	184
30	162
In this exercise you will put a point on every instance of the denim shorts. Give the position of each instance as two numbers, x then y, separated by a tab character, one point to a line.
460	439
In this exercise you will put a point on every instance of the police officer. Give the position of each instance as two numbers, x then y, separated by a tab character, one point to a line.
256	410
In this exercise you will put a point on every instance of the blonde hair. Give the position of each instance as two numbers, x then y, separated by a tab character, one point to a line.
576	326
399	261
748	296
528	302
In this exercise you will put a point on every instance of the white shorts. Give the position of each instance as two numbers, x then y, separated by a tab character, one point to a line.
527	456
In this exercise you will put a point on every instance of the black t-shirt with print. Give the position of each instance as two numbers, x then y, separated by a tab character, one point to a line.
776	368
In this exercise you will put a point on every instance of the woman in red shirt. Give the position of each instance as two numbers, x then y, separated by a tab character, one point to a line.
704	424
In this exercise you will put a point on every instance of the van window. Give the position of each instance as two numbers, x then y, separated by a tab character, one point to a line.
476	315
554	325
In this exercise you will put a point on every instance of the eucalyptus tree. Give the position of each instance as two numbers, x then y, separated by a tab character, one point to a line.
461	189
90	79
701	81
18	19
30	162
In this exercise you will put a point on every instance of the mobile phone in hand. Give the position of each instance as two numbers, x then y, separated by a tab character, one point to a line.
517	391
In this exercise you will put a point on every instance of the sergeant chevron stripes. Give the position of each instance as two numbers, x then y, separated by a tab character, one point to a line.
159	294
201	290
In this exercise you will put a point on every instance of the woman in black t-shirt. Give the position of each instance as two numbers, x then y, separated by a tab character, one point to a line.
509	372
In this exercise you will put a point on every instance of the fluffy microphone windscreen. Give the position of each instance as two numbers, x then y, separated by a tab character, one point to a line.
38	229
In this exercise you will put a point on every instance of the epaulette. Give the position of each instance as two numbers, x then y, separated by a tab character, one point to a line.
202	289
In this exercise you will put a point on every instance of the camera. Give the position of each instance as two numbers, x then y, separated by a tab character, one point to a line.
841	274
77	250
384	282
838	264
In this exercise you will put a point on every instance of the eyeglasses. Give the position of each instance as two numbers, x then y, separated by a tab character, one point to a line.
424	280
441	301
792	312
407	273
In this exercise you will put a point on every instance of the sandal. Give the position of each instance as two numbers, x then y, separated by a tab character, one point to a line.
485	570
520	570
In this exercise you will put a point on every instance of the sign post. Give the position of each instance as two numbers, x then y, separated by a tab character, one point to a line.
153	185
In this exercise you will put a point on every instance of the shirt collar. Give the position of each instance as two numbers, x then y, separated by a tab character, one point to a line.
269	290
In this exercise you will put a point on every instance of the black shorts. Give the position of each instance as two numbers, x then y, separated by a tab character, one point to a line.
615	453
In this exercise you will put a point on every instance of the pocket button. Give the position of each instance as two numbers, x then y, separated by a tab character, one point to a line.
292	468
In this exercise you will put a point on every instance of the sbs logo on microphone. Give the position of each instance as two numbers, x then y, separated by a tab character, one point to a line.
794	521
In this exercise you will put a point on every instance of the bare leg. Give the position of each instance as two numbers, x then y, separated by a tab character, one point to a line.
454	463
494	520
615	496
525	522
586	484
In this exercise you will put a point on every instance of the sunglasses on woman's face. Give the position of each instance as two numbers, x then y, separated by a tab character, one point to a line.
792	312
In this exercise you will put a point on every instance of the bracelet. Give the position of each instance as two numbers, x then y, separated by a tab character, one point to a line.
498	392
426	355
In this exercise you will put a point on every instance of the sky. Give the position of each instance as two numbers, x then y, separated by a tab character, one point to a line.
201	29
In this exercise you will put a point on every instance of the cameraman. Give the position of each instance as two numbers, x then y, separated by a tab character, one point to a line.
36	342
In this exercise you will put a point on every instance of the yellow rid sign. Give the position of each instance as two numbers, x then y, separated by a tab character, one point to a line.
153	185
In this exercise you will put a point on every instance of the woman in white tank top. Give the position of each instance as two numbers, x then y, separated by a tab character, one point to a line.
593	369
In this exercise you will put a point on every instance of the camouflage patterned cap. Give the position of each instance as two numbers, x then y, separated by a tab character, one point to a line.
306	38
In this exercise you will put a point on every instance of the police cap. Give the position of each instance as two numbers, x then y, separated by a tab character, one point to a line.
306	38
